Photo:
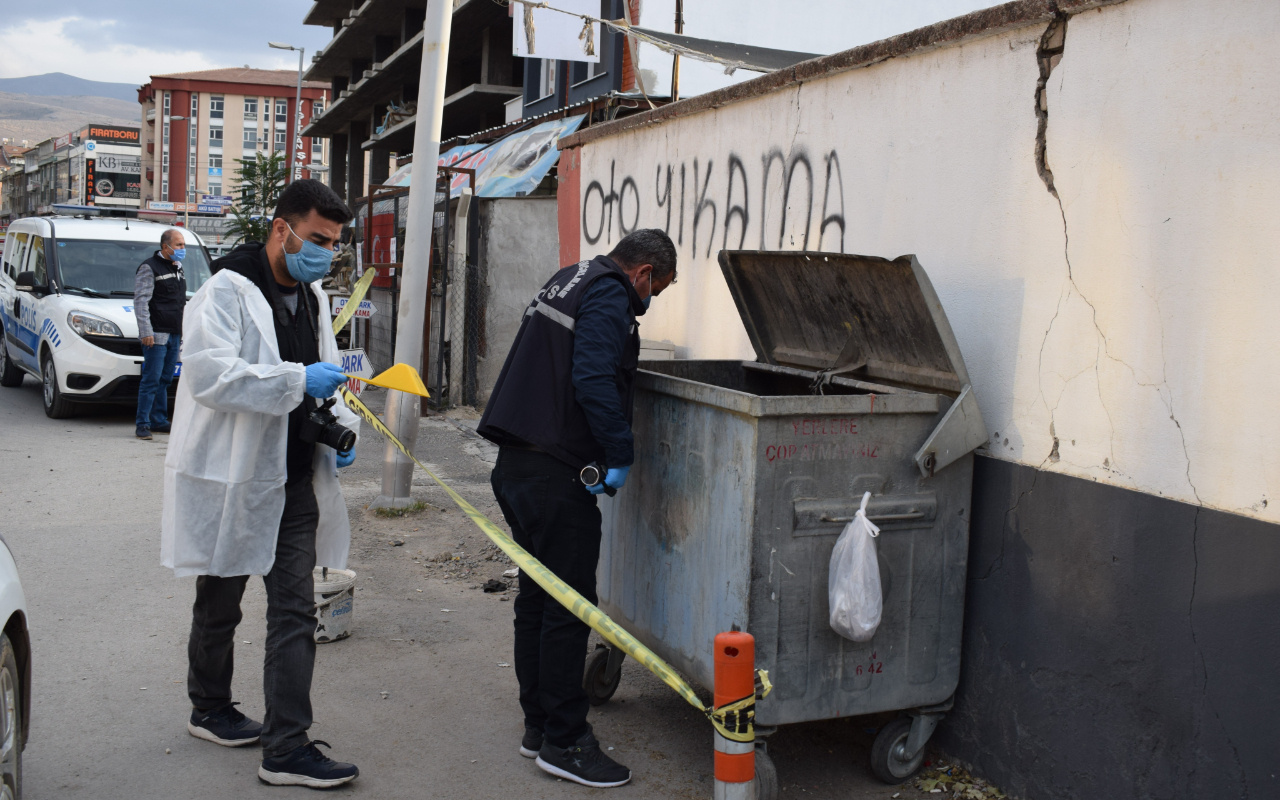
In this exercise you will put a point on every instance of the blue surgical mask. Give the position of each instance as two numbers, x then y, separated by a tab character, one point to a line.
309	264
179	254
648	299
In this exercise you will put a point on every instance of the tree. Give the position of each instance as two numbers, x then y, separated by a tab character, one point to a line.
262	179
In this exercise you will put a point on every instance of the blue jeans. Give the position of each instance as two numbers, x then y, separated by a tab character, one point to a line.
158	362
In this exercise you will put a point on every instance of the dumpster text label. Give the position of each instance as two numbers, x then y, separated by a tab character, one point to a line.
825	427
833	451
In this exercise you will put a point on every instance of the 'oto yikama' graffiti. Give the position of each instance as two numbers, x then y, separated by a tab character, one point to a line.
713	204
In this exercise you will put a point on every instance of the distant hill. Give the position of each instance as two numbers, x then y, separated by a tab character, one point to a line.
58	84
24	116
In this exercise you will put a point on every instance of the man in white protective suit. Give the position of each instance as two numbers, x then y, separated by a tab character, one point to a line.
251	482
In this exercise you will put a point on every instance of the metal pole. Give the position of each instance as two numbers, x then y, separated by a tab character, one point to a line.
675	63
404	410
297	123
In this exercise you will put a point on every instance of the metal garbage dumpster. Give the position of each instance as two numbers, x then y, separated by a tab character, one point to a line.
747	472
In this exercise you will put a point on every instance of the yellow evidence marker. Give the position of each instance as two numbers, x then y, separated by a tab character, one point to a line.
401	377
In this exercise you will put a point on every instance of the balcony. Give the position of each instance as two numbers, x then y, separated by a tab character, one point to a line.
151	148
151	116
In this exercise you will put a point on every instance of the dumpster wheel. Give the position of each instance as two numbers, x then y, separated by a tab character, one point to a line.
602	675
888	751
766	775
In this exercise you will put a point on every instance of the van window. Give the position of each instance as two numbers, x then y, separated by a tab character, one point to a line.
107	267
14	251
36	262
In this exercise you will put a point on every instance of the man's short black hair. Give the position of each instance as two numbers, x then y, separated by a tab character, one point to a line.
302	197
167	237
647	246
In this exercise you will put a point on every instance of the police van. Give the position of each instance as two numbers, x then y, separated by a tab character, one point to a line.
66	304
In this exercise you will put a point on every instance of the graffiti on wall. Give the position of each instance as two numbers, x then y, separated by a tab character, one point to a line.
774	202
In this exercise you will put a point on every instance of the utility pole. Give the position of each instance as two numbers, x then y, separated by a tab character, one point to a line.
404	410
675	61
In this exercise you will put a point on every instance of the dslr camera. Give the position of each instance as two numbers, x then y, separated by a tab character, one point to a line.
320	426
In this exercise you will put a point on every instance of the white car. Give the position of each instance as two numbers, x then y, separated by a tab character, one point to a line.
66	303
15	676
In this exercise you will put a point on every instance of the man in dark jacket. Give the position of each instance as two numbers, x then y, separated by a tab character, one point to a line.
159	294
562	401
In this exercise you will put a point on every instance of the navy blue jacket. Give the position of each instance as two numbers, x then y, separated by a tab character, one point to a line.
567	384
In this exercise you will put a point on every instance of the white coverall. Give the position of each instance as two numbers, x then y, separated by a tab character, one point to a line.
224	474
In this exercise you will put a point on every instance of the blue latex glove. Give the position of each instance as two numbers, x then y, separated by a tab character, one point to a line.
345	459
614	478
323	379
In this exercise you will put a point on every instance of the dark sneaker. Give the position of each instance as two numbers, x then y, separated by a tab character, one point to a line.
583	763
224	726
160	428
142	432
306	766
531	743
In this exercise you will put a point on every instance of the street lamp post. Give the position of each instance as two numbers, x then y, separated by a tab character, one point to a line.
190	187
294	165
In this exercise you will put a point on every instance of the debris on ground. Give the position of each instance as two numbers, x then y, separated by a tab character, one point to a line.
492	586
954	781
514	572
412	508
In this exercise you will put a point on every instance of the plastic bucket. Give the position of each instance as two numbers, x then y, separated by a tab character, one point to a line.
335	598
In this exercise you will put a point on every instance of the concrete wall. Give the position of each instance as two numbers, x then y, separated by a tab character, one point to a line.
1101	229
519	251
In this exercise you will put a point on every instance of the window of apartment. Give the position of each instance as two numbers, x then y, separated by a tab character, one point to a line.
317	108
547	81
166	129
164	163
166	104
282	140
584	71
317	147
215	137
282	111
215	188
250	138
215	162
215	107
191	163
251	108
195	104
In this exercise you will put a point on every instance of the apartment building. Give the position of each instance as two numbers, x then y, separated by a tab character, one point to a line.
195	125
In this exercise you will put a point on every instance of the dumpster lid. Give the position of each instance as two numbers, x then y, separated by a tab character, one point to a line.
855	315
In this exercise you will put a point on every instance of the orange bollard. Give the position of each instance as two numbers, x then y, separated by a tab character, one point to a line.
735	680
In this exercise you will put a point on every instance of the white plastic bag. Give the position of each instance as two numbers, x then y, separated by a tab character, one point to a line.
853	582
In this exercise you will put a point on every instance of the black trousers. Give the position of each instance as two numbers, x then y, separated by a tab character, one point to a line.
551	515
291	624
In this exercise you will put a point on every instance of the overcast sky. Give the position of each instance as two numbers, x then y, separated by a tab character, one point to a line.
128	41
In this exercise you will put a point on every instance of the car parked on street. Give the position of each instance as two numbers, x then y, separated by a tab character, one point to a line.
66	304
15	676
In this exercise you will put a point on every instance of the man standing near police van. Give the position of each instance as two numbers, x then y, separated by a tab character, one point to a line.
251	483
563	401
159	294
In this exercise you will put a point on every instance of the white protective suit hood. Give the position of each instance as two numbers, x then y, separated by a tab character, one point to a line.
224	472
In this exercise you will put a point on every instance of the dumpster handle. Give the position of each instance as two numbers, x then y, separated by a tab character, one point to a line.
877	517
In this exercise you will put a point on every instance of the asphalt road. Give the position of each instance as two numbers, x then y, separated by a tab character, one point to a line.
418	697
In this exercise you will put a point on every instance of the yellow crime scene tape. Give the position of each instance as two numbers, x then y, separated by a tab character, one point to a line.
353	302
735	721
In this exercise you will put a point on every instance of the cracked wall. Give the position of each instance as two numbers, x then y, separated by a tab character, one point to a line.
1092	196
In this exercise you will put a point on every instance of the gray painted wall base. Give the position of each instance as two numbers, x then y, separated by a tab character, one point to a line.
1117	644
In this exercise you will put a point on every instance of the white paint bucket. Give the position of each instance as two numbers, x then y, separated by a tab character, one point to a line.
335	598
